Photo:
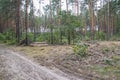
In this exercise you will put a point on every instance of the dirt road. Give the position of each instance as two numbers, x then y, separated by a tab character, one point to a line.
14	66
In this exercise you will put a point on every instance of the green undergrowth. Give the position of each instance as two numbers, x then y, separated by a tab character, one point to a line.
80	49
2	76
111	68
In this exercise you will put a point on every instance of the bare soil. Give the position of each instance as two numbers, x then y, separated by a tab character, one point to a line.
101	63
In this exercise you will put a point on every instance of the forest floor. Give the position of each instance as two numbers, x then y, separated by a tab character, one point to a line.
101	63
14	66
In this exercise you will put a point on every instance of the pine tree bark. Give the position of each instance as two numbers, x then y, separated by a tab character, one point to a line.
51	26
67	21
108	20
18	22
60	21
91	11
26	22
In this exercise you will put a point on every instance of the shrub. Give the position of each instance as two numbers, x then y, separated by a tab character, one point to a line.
80	49
8	37
87	38
43	37
105	49
2	37
29	35
116	37
108	61
64	40
100	35
11	42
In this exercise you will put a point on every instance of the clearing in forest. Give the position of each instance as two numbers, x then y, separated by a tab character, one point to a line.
102	60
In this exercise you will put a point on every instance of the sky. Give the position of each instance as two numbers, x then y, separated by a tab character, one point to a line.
36	5
43	3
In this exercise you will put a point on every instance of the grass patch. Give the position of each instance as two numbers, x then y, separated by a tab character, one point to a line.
2	77
110	69
116	58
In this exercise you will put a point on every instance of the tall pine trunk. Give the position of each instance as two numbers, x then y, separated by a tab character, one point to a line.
51	26
108	21
26	22
67	22
18	22
91	11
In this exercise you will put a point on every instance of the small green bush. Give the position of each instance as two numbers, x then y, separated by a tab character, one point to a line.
11	42
100	35
105	49
64	40
87	38
8	37
2	37
115	37
108	61
80	49
43	37
30	36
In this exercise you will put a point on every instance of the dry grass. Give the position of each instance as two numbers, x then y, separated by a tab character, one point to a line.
46	52
103	61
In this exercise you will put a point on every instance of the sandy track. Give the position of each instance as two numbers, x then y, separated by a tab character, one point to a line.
17	67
